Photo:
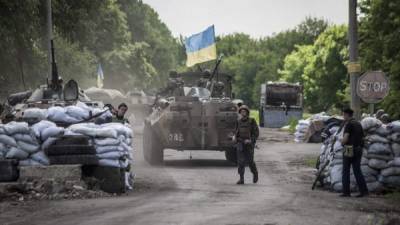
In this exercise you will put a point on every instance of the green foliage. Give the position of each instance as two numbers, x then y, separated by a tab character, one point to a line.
321	69
292	124
254	114
127	37
380	48
311	161
256	61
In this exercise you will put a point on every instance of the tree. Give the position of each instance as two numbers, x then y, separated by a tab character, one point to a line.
379	46
321	69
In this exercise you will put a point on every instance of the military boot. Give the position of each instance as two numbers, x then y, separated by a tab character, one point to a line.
241	180
255	177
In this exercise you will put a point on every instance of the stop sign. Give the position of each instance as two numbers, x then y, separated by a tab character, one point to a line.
373	86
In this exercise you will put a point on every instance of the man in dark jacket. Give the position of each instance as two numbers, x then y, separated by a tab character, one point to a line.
353	142
246	135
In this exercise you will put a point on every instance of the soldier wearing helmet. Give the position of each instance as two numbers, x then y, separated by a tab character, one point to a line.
245	136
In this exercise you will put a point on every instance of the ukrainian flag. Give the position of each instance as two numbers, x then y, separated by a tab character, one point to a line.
201	47
100	76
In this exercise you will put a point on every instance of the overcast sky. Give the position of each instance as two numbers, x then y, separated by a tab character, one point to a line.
255	17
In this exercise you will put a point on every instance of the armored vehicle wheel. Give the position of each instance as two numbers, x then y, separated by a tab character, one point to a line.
153	151
231	156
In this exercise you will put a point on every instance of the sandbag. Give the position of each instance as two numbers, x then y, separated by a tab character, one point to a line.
126	147
59	114
77	112
40	114
364	161
380	149
377	164
48	142
120	128
377	139
392	181
27	147
13	127
336	174
28	138
394	126
110	163
41	158
370	122
40	126
106	141
128	141
368	171
83	130
370	179
391	171
52	132
394	162
396	149
110	155
106	133
383	131
15	153
375	186
376	156
395	137
108	148
7	140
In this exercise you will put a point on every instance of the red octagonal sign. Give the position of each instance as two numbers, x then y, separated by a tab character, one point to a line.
373	87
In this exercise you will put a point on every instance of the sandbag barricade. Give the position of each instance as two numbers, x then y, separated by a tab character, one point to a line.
381	157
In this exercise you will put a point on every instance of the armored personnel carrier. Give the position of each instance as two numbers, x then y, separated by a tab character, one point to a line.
194	112
54	93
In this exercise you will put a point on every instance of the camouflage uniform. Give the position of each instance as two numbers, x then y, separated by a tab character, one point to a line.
246	129
116	119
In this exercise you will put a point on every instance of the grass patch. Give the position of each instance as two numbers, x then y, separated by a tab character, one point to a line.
394	196
254	114
310	161
306	115
292	125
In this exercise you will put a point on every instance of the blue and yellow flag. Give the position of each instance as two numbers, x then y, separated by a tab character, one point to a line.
100	76
201	47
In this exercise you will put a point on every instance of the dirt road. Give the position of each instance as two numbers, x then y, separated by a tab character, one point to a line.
202	190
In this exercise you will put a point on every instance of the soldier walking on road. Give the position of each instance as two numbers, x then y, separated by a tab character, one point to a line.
353	142
246	135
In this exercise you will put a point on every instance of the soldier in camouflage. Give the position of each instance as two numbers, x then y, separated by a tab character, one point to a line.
119	114
246	135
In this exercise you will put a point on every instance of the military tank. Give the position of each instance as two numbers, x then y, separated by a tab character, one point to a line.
194	112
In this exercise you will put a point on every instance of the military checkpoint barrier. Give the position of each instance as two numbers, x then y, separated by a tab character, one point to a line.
100	150
381	157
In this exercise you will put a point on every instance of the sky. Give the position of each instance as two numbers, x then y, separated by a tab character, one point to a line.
258	18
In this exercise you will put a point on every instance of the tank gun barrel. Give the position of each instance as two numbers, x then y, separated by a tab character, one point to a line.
55	85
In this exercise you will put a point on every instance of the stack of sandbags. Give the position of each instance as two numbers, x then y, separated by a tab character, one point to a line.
72	114
332	153
380	163
112	142
301	130
18	141
390	175
377	152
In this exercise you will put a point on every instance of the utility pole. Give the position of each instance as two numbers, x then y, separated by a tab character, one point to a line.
49	37
354	67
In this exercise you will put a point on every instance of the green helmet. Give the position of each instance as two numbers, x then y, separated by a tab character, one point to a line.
244	107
